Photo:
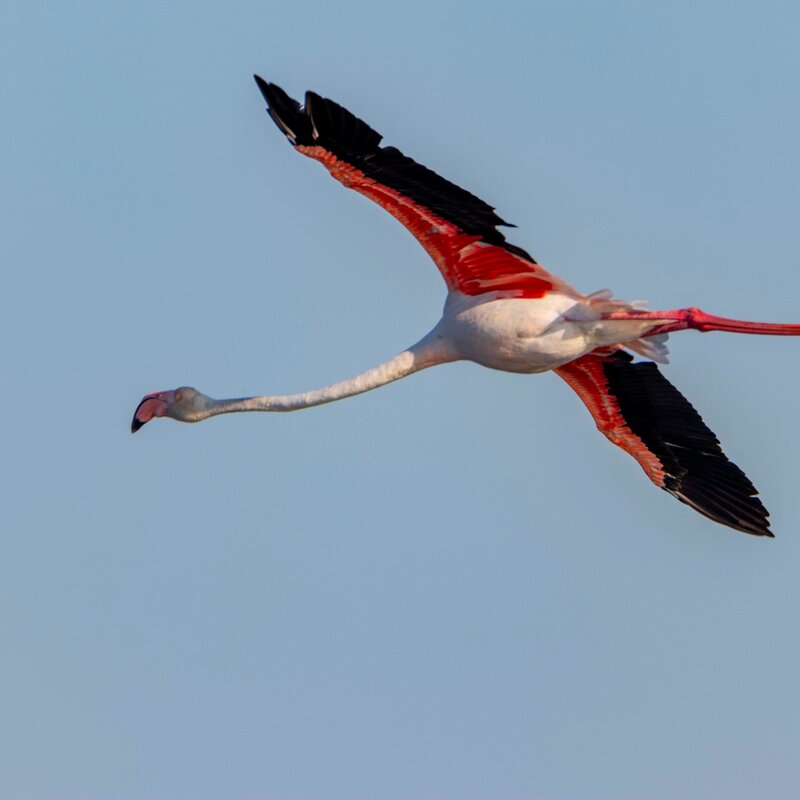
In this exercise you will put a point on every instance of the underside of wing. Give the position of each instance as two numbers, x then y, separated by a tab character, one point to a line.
458	230
639	410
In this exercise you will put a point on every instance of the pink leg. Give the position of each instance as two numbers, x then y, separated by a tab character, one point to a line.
693	318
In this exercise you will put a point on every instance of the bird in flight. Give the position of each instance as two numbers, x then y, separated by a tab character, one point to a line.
505	311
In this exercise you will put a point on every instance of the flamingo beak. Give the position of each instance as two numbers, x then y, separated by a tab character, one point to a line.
152	406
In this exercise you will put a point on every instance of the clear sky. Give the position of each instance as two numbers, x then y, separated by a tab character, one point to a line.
453	587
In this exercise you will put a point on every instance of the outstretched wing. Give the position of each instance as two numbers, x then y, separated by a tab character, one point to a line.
458	230
639	410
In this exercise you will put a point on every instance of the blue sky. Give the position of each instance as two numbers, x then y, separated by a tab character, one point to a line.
449	588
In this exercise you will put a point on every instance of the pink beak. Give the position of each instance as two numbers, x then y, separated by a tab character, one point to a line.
152	406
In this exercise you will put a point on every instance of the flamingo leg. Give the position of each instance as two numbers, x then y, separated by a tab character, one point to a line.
695	319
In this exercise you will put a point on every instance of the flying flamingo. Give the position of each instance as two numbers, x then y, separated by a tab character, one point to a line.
505	311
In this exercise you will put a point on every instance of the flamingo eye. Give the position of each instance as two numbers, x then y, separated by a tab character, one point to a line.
178	396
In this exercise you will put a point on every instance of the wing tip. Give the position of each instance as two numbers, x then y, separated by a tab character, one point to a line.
271	92
751	518
290	117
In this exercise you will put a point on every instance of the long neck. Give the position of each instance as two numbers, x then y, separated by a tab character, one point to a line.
426	353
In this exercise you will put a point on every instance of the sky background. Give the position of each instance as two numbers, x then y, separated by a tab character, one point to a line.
453	587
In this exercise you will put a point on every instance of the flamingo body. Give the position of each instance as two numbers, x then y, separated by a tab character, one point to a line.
505	311
529	336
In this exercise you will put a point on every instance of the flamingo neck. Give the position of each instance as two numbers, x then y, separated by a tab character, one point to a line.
428	352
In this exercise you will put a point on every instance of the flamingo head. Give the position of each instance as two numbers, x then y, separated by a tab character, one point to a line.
184	404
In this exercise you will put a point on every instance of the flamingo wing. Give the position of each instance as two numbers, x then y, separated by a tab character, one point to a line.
639	410
458	230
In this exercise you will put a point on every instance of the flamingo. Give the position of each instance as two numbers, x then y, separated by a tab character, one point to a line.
505	311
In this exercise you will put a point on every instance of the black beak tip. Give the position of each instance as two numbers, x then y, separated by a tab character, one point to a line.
136	424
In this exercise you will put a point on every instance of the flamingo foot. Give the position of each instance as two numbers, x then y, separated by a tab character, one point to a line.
695	319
